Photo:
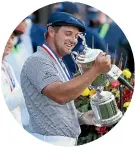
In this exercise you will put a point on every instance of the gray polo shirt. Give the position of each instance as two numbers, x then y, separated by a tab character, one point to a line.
46	116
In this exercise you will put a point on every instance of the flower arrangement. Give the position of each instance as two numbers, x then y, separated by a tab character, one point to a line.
122	94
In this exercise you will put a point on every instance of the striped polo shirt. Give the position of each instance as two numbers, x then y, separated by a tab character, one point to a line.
46	116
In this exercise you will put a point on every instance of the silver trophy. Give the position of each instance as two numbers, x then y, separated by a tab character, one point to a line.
103	103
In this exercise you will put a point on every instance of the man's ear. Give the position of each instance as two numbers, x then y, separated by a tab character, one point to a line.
51	31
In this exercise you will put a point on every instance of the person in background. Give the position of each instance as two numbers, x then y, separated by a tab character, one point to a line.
36	32
92	38
22	48
118	45
48	89
11	89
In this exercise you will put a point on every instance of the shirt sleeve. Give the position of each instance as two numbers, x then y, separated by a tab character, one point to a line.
41	72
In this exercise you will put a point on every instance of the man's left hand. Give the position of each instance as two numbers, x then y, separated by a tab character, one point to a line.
87	118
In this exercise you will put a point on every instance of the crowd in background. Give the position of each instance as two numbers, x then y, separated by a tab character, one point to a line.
102	33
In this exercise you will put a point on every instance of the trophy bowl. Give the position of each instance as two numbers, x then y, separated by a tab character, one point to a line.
86	59
105	109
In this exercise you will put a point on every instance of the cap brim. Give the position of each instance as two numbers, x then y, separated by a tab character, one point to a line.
81	29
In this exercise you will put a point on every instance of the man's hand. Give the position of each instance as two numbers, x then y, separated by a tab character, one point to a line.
103	63
86	118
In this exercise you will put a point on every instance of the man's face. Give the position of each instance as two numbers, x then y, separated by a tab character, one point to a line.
65	39
9	45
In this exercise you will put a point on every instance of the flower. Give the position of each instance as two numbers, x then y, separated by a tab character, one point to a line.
115	84
92	92
126	73
86	92
126	104
101	130
127	95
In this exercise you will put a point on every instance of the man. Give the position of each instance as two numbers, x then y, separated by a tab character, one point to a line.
48	89
10	86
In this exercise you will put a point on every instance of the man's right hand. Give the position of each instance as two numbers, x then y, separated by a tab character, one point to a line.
102	63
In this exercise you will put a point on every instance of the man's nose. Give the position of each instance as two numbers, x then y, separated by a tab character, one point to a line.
74	40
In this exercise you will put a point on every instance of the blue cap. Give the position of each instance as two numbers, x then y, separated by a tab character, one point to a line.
65	19
93	13
68	7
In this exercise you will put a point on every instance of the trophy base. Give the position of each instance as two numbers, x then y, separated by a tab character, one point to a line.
109	121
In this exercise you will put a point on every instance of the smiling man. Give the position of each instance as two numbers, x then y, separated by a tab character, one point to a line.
48	88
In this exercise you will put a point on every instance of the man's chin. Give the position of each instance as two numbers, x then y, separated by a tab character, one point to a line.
69	52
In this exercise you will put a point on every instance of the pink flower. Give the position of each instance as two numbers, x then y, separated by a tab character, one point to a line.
115	84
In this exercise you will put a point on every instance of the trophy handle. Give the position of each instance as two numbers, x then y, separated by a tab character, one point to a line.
74	55
82	36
